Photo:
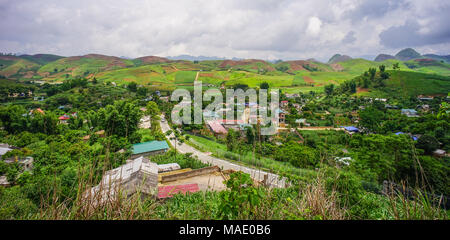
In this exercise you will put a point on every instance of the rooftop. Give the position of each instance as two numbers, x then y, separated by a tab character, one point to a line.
217	127
149	146
4	148
351	129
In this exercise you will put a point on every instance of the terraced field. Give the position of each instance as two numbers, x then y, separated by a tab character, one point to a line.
162	73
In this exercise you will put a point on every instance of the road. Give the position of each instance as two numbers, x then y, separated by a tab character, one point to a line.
273	179
314	128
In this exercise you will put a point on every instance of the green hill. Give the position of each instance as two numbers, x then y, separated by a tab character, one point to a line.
409	83
14	67
81	66
161	73
438	57
41	59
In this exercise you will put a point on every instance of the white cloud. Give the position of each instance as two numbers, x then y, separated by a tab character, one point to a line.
314	25
226	28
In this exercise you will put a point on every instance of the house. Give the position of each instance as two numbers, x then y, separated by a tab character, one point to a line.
34	111
145	122
4	181
217	128
424	107
27	163
63	119
343	160
425	98
414	137
439	153
149	148
100	133
86	138
291	96
136	175
281	116
38	98
4	148
388	106
297	106
409	112
351	130
284	104
301	121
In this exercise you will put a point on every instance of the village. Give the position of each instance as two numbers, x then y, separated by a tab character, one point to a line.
166	180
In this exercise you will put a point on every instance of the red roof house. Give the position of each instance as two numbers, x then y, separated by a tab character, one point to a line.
216	127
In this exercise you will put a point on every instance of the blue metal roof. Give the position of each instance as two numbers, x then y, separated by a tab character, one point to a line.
351	129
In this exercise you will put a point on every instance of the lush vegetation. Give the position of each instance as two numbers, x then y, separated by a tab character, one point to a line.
332	174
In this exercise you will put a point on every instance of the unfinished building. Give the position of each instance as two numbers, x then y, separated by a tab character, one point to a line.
136	176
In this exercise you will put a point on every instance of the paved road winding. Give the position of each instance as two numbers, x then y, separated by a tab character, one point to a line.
273	179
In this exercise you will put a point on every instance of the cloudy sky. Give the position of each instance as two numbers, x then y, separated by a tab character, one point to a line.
264	29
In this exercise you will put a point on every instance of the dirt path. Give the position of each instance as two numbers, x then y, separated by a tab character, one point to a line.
273	179
196	76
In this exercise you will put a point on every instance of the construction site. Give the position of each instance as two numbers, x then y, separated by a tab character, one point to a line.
149	179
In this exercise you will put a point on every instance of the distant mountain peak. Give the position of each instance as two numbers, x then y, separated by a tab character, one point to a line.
381	57
194	58
407	54
339	58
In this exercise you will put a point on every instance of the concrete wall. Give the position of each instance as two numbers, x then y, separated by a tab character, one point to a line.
189	174
134	156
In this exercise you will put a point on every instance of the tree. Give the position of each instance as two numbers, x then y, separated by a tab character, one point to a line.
329	89
427	143
231	139
382	68
12	118
396	66
384	76
121	118
372	72
250	134
297	155
142	91
132	86
371	118
154	112
242	197
264	85
282	68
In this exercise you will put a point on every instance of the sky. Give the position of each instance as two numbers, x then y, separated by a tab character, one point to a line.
258	29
